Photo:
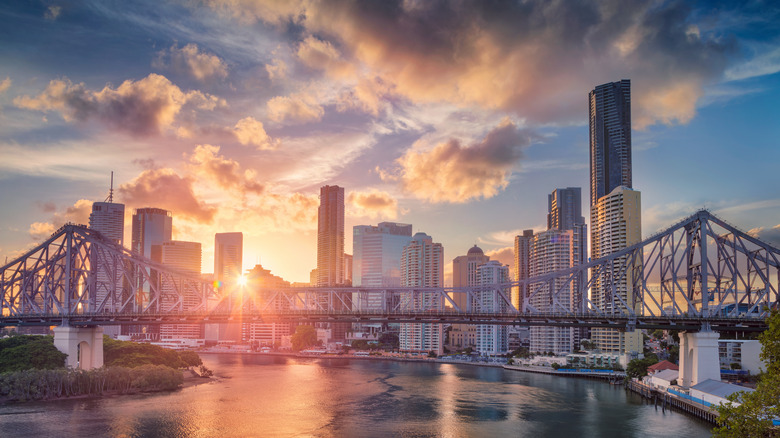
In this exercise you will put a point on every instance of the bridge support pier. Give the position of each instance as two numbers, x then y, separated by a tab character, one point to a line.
83	345
698	357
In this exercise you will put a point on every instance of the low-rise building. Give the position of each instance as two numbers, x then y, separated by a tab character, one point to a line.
744	353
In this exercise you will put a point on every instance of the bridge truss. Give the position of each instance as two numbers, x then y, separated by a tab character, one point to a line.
700	271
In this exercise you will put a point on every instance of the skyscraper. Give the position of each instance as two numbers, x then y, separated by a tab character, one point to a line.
522	260
108	218
618	225
228	257
330	237
421	266
184	257
614	206
330	249
562	246
610	138
464	273
491	340
376	262
151	226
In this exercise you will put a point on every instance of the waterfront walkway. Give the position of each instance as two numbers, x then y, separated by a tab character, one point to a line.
669	401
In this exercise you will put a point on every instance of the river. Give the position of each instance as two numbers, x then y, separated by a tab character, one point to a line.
272	396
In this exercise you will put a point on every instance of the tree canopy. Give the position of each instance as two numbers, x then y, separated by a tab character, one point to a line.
304	337
754	416
19	353
130	354
638	367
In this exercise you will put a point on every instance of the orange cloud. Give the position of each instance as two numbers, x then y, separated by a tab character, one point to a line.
300	107
322	55
164	188
373	204
5	84
140	108
78	213
227	173
454	173
191	61
250	131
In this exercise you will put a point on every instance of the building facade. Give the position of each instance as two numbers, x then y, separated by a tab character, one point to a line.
259	283
491	340
421	266
614	206
150	226
376	262
330	250
610	138
228	257
108	219
464	274
330	237
184	257
618	225
522	265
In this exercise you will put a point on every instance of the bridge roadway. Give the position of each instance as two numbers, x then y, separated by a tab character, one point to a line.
620	322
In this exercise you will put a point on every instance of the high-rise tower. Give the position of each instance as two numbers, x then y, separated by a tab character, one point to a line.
228	257
108	218
614	206
610	138
151	226
421	266
464	273
561	247
184	257
376	262
330	237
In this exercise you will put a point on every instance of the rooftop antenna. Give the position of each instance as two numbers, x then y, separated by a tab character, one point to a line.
111	189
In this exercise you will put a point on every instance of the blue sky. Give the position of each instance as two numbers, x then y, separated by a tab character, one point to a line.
457	117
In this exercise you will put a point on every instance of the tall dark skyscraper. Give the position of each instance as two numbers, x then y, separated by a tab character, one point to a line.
610	138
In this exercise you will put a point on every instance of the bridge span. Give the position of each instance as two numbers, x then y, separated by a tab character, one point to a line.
699	275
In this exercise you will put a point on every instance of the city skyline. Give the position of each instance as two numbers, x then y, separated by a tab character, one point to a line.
233	120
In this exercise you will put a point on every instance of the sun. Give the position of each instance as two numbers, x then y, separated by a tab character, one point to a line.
241	280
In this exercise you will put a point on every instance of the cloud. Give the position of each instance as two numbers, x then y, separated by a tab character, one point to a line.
537	59
189	60
164	188
768	235
5	84
251	132
373	204
766	63
140	108
505	256
276	70
300	107
321	55
78	213
451	172
227	173
368	95
52	12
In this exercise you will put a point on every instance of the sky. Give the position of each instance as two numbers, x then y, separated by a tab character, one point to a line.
458	117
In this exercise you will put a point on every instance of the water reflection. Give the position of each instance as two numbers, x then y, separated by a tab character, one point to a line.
277	396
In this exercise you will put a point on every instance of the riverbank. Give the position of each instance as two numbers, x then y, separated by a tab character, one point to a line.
69	384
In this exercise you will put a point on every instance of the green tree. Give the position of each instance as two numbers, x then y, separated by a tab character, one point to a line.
638	367
753	417
304	337
19	353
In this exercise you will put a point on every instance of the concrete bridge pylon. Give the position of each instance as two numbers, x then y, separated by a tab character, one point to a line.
83	345
698	357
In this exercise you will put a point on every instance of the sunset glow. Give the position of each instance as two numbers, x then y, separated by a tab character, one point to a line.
458	118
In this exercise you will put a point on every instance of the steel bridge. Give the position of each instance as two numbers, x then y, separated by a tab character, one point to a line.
700	272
